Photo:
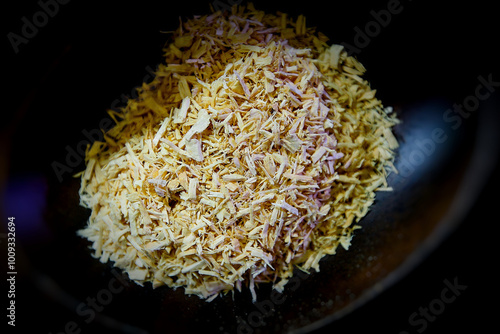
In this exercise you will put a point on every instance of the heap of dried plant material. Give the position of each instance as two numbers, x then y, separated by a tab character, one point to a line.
256	148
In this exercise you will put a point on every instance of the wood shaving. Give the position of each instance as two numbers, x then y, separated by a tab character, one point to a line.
257	147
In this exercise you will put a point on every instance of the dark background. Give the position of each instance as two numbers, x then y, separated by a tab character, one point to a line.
426	51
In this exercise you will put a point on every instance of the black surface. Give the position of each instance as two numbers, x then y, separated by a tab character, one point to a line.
426	51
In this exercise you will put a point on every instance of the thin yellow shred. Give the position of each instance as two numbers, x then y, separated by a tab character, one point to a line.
257	147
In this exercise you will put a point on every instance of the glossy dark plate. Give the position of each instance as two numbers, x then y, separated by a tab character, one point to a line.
444	160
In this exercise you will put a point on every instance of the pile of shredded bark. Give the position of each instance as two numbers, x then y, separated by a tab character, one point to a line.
256	148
